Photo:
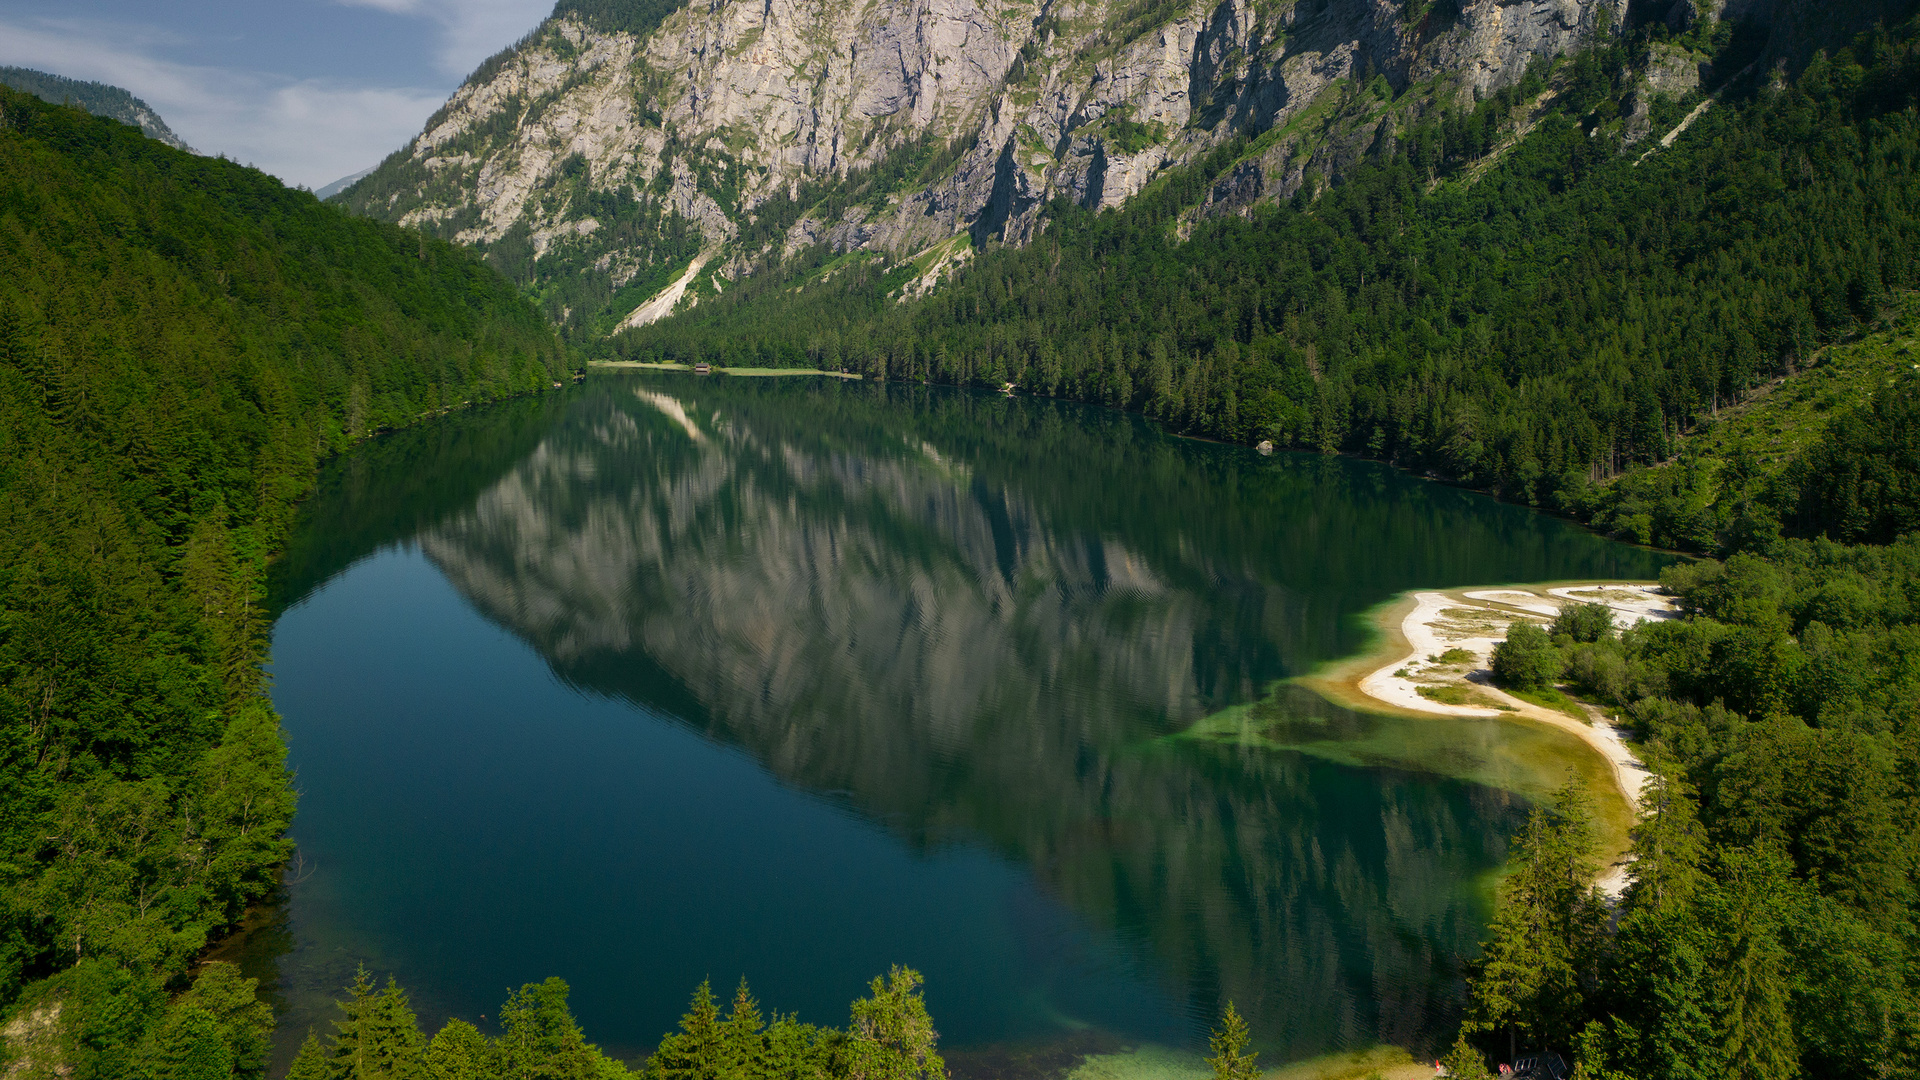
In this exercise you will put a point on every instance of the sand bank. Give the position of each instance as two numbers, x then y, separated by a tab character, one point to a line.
1436	649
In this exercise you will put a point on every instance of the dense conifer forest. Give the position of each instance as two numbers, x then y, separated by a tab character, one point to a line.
1768	929
97	98
181	340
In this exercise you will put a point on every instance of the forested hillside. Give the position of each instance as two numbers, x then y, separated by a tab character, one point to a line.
1531	316
99	99
1747	475
181	340
1768	929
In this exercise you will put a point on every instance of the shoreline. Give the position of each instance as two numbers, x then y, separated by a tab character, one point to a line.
1440	641
640	365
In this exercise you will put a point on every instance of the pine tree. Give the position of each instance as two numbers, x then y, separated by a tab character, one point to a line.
1464	1062
741	1046
457	1052
694	1052
311	1062
1230	1060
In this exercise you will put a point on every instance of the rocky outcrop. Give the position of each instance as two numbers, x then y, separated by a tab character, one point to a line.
949	116
1671	71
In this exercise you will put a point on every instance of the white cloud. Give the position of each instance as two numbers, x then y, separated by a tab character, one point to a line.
470	30
305	131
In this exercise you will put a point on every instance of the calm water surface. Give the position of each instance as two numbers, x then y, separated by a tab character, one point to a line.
670	678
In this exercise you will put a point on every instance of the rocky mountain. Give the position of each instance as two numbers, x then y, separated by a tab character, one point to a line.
616	152
99	99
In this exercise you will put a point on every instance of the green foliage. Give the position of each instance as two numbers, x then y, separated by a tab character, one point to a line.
1464	1062
458	1051
99	1021
1228	1042
377	1037
311	1062
181	340
216	1029
636	17
1861	482
1526	660
891	1036
1765	931
1740	473
1533	980
745	1045
1586	623
539	1039
99	99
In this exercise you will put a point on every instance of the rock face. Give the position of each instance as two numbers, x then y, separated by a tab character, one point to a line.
949	116
1670	71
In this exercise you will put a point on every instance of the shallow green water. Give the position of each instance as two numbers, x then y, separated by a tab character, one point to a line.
666	678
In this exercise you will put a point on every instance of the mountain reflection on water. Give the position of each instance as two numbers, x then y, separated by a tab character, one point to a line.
981	621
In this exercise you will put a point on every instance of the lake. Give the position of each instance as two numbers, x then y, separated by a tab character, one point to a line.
667	678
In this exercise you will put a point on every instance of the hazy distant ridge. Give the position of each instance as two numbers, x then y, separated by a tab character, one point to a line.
97	98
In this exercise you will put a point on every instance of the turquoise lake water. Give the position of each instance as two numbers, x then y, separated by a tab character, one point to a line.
667	678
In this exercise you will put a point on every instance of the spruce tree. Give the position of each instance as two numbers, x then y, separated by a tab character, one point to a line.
377	1037
1541	962
1464	1062
458	1052
1743	909
1230	1059
540	1040
311	1062
1667	845
742	1052
694	1052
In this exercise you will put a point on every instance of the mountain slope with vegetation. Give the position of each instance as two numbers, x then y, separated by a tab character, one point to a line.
1532	316
597	158
1743	473
181	340
97	98
1768	929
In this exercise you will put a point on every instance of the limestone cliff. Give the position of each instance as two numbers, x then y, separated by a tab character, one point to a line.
741	127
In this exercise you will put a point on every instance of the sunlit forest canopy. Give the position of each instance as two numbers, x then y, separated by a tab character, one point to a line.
182	339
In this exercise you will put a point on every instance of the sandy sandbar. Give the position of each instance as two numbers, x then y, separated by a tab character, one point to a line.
1441	642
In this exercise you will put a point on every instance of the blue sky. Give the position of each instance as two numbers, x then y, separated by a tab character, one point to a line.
309	90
